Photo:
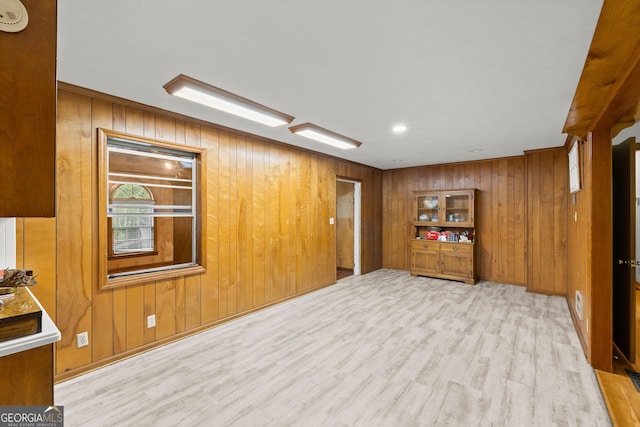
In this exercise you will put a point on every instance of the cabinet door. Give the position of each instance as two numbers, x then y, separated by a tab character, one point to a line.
28	114
427	208
457	260
457	210
425	258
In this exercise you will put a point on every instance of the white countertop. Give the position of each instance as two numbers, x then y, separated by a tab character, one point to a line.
49	335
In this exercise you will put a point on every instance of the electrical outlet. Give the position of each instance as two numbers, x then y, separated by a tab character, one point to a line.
151	321
579	304
82	339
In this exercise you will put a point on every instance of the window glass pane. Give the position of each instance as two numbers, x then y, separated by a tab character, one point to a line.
132	233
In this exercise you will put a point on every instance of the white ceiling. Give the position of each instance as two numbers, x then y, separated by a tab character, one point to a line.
464	75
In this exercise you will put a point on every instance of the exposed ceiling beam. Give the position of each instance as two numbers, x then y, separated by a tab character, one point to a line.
609	87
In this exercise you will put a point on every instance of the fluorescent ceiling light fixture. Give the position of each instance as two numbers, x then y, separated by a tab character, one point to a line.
211	96
399	128
311	131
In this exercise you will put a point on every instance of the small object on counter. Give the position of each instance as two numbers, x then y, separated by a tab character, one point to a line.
20	315
14	278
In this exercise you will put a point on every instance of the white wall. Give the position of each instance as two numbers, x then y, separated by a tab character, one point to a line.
7	243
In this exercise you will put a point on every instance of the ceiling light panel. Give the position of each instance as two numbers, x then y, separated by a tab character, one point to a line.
196	91
311	131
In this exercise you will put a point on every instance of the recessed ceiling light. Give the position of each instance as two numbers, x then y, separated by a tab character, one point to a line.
476	150
399	128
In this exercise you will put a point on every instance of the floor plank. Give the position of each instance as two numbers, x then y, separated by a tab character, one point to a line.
621	396
382	349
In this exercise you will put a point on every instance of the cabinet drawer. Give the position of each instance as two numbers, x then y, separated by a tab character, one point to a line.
418	245
465	248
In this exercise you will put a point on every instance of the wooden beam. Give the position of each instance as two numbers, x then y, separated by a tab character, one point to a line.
601	255
609	85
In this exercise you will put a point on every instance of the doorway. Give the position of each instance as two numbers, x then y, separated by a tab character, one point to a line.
348	213
636	365
624	247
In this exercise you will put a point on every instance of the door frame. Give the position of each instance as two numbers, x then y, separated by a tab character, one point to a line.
357	223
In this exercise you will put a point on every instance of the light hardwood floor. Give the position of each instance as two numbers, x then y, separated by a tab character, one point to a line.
382	349
620	395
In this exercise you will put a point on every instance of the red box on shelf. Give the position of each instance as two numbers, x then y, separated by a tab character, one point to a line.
431	235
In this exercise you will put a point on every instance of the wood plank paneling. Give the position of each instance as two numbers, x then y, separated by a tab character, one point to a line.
547	180
267	208
224	224
560	198
242	218
103	114
520	215
259	221
234	226
40	249
134	295
210	290
73	223
500	213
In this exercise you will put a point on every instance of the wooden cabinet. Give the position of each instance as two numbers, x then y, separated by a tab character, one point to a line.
456	261
445	208
27	377
446	260
28	114
449	216
425	258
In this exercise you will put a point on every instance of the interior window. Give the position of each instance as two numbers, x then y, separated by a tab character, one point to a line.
149	211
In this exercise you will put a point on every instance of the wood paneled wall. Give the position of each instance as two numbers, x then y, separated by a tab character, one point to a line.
268	236
589	248
547	195
501	213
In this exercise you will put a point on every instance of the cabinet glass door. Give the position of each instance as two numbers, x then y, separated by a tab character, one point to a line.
456	209
428	208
